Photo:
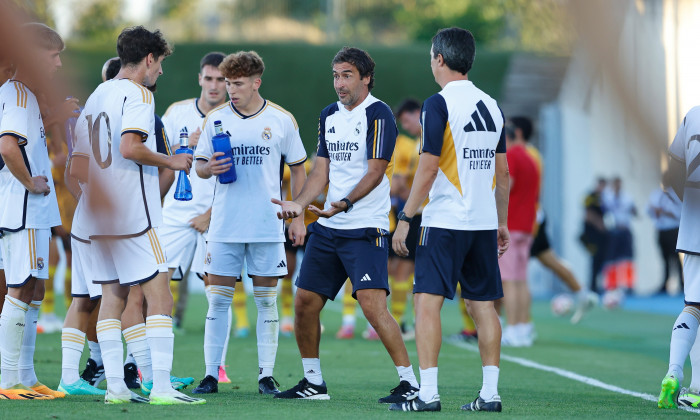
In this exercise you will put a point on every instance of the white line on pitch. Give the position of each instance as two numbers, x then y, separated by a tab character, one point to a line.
567	374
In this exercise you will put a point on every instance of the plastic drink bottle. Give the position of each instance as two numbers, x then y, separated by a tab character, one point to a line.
183	191
222	143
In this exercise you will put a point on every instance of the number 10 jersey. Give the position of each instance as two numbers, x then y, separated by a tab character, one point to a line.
123	197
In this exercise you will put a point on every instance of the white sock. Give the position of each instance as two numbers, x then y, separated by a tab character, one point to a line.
695	365
109	335
95	352
489	387
137	347
348	320
428	384
161	340
267	329
72	344
216	326
14	314
129	357
229	319
312	370
683	336
406	374
26	356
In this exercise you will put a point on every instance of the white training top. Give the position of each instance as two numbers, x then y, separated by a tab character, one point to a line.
242	211
130	199
686	149
185	116
21	119
349	139
464	127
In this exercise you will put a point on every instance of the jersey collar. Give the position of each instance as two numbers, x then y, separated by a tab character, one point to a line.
364	104
196	106
243	116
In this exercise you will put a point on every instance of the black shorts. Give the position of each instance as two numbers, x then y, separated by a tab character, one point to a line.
541	242
334	255
445	257
411	239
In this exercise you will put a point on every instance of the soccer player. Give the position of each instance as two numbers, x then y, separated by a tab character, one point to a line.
464	226
520	129
406	158
356	138
522	210
684	178
124	211
86	294
263	135
185	222
28	210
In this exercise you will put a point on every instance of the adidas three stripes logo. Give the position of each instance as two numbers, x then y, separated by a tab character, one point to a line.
476	125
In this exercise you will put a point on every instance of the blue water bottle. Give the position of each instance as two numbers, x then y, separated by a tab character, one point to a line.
183	191
222	143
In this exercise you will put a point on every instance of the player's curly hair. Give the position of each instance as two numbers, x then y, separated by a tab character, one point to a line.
135	43
242	64
358	58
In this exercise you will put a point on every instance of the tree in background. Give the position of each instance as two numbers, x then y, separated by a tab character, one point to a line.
99	20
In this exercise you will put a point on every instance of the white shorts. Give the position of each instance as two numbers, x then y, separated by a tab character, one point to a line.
181	243
691	278
81	272
265	259
198	261
26	255
128	261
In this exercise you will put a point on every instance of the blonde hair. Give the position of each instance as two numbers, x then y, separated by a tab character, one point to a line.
43	36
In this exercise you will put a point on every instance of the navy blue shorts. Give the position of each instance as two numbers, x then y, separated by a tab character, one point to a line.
445	257
334	255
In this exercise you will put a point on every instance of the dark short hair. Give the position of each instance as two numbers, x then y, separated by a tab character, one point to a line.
113	68
212	59
456	45
408	105
524	124
358	58
135	43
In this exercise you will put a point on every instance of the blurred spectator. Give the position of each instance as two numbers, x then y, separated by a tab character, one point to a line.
664	208
594	236
619	268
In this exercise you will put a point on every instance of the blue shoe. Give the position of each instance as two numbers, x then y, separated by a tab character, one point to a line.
181	383
80	387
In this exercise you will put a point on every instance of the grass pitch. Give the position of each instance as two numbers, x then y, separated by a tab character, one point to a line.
622	348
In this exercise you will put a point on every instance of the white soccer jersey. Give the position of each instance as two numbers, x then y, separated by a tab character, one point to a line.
130	202
21	118
464	127
686	149
349	139
185	116
242	211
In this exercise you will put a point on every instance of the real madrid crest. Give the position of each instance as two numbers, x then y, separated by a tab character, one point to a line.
357	128
40	263
267	133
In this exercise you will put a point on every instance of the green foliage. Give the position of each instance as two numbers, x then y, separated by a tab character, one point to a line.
99	20
423	18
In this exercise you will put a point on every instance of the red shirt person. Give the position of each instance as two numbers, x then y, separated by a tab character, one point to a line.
522	209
